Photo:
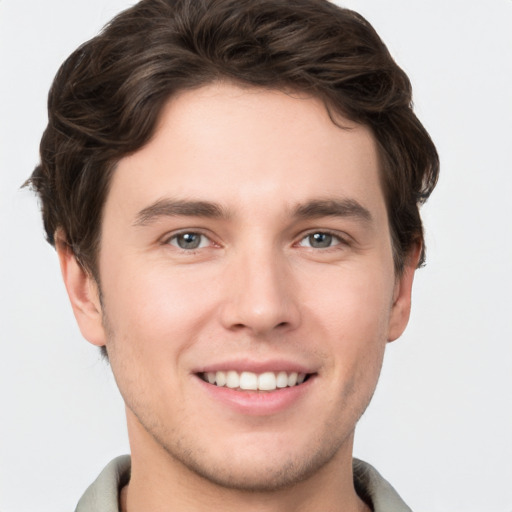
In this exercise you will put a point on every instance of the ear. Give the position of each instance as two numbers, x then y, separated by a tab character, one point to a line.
83	294
401	308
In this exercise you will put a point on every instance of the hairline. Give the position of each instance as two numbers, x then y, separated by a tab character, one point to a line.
336	115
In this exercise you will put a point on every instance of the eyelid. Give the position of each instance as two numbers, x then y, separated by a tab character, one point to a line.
342	238
166	239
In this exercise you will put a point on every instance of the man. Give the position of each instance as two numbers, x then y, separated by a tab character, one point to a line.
233	190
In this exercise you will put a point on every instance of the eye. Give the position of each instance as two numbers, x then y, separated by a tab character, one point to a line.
320	240
189	241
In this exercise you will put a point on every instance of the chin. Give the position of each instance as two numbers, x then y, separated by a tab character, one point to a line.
259	463
256	476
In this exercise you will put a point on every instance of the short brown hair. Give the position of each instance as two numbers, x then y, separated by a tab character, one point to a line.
106	98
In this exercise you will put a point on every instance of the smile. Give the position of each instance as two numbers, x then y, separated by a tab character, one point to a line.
266	381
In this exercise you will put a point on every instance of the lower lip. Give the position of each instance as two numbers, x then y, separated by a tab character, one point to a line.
258	403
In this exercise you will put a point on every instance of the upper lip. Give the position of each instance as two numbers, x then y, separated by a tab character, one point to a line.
254	366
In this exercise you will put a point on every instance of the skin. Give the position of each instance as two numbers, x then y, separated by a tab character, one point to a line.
256	289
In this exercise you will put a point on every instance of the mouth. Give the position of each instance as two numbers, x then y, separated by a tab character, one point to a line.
249	381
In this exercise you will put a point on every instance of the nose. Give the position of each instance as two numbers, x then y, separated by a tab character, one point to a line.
260	294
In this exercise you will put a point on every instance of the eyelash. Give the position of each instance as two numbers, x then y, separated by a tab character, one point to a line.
340	240
174	236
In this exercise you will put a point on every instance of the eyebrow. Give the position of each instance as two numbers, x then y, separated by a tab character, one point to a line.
175	208
333	208
313	209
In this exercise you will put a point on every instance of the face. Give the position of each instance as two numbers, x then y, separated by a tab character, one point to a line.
247	286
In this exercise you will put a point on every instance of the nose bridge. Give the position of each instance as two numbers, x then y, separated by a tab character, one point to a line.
261	296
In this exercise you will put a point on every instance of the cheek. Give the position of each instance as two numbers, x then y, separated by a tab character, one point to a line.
352	302
351	319
151	321
154	300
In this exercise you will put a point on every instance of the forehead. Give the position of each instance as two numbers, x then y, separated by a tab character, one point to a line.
231	144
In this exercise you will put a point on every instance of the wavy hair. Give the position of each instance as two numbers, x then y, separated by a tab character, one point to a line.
106	99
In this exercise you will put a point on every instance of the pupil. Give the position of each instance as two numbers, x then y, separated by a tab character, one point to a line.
189	241
320	240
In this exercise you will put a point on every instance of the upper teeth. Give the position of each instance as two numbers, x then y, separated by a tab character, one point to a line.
267	381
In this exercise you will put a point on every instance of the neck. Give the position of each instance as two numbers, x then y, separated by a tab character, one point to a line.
161	483
159	496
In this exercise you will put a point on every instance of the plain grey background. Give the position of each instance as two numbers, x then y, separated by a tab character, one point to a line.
440	425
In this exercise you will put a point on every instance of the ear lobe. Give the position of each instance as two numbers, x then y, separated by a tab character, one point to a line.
83	294
401	307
